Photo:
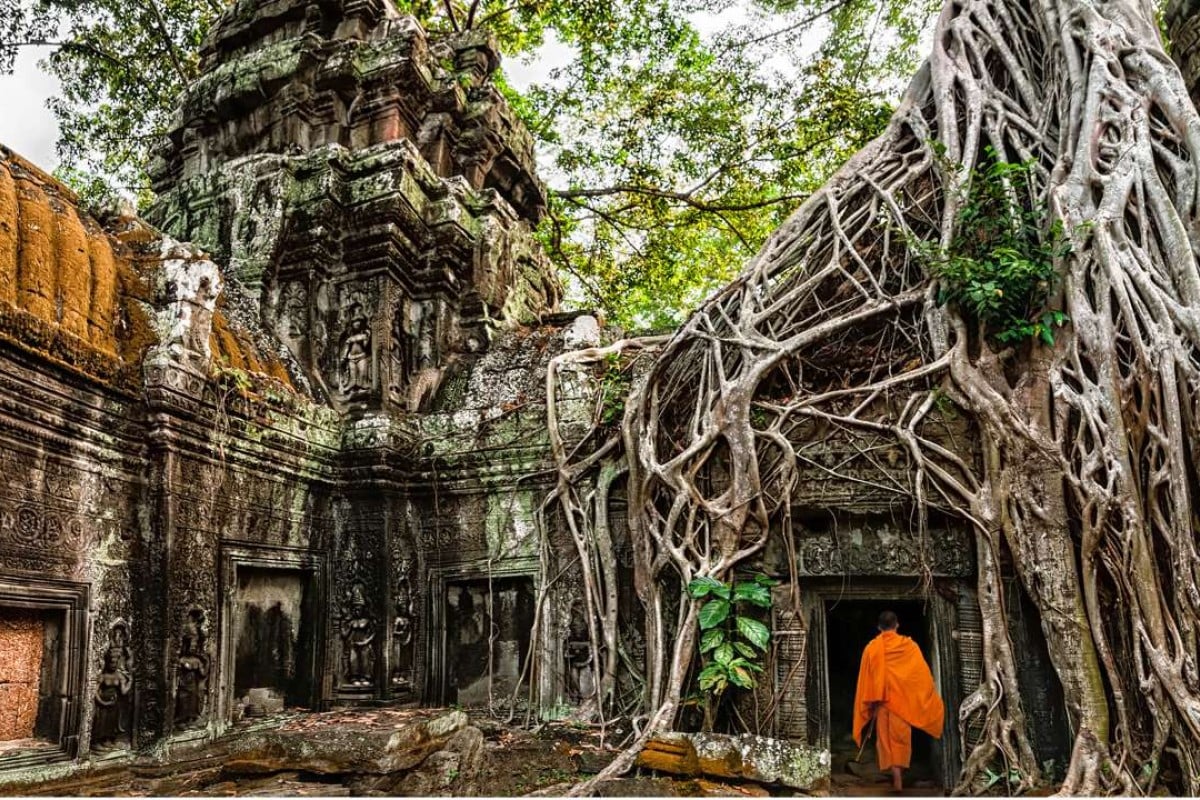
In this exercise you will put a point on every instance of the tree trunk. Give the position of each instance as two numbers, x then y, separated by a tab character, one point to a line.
1086	448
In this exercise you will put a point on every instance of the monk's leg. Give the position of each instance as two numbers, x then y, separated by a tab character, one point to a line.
894	744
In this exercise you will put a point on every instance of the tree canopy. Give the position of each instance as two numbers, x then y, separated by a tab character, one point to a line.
675	137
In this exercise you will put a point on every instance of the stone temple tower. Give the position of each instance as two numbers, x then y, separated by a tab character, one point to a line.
368	188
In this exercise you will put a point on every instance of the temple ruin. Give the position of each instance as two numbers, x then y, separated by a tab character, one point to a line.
282	444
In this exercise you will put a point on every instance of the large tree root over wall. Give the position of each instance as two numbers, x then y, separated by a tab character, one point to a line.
1085	468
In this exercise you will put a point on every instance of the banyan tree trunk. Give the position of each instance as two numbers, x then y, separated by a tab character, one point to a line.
1084	471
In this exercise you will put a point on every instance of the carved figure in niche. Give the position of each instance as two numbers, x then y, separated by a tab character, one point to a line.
424	344
358	641
111	725
355	353
191	680
295	309
399	349
402	628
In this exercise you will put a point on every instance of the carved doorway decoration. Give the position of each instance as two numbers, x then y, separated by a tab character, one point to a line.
44	636
480	633
272	641
841	615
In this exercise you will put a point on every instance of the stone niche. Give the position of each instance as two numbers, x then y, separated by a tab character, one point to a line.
485	618
43	628
272	633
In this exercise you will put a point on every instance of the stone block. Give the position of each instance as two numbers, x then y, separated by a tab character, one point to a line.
745	757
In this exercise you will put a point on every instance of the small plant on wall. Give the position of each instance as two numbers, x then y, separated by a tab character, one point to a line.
732	642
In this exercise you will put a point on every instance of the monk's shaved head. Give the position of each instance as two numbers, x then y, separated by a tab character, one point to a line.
888	621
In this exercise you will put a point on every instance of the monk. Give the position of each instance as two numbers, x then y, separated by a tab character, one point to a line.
895	688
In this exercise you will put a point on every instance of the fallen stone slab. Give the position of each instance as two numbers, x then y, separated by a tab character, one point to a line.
746	757
336	750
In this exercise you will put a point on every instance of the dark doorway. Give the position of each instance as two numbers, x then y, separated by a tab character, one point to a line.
850	626
485	618
273	653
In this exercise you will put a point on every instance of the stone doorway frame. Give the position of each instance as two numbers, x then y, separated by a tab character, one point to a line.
439	579
71	600
942	626
236	555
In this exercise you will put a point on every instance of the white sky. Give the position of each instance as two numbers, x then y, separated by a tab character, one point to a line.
26	125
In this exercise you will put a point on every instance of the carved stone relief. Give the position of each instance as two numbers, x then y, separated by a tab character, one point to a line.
113	699
403	629
191	682
358	635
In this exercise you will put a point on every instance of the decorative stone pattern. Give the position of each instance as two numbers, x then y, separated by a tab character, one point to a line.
20	672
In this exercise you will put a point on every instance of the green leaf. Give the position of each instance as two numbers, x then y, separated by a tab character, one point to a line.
713	613
711	639
752	592
713	678
741	677
703	587
724	654
754	631
763	580
745	649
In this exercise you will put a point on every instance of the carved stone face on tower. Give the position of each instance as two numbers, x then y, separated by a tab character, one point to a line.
353	147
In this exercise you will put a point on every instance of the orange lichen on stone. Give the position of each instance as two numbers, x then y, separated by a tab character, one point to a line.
74	272
21	634
277	371
58	272
224	345
36	258
9	238
104	285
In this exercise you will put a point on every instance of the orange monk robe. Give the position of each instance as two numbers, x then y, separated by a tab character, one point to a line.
894	673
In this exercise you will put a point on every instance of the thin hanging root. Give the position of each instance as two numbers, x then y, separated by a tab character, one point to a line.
1084	452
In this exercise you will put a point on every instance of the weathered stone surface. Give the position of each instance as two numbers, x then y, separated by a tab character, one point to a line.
745	757
333	750
20	667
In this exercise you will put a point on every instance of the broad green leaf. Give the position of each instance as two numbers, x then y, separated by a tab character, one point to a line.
702	587
745	649
711	638
752	592
713	613
724	654
755	631
741	677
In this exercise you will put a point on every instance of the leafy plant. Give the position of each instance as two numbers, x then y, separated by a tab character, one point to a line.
614	388
1000	265
732	642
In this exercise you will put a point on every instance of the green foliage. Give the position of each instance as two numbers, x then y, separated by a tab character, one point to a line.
676	136
614	388
732	641
1000	265
121	64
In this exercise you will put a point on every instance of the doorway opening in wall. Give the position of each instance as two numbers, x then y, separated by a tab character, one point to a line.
488	632
273	632
43	647
850	626
28	667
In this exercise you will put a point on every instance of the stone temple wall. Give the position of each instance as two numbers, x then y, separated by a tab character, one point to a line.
299	436
302	460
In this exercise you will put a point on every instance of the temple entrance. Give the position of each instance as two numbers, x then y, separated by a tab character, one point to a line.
850	626
273	658
24	657
272	630
486	623
43	625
